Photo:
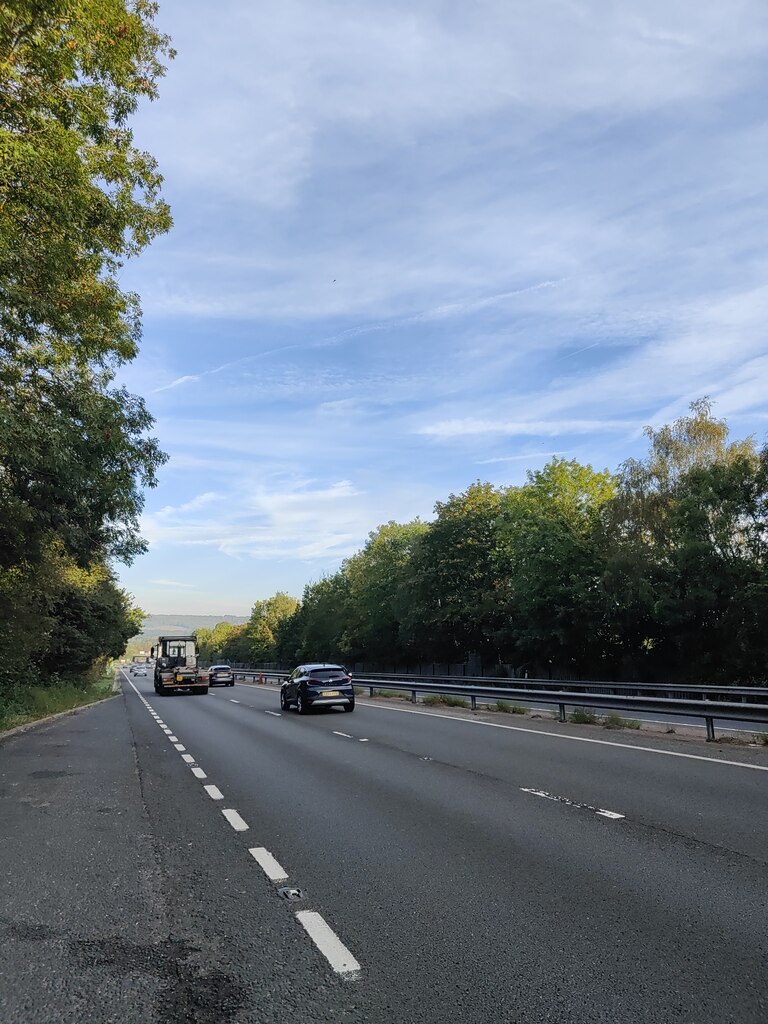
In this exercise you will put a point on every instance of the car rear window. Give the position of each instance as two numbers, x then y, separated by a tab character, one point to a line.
220	668
326	673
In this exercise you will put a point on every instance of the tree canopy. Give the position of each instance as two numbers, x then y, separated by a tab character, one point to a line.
77	198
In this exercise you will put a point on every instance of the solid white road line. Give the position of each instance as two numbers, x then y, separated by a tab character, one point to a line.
199	773
214	792
188	758
560	736
329	944
180	747
271	868
234	820
344	734
275	714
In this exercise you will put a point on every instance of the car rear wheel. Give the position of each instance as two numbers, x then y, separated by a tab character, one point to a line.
284	706
301	705
349	707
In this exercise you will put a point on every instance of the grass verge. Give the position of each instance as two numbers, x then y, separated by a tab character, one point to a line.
615	721
446	700
23	704
364	691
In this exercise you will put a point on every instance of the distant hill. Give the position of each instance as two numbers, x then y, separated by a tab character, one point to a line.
159	625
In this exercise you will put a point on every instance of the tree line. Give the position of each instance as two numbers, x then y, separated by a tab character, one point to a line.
654	571
77	199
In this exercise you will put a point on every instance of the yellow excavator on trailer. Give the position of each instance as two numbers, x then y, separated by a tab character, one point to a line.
176	666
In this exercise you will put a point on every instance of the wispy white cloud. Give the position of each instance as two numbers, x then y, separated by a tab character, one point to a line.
200	501
301	521
523	428
186	379
528	457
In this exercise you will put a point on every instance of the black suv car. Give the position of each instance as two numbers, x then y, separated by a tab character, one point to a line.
314	686
221	674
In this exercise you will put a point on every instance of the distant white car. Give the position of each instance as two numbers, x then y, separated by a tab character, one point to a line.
138	670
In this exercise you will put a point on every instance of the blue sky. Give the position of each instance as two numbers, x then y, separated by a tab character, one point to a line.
420	244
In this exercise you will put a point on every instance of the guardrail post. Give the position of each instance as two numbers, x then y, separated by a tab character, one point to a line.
710	727
371	689
562	712
413	696
473	701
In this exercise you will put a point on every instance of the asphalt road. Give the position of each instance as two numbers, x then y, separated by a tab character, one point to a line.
451	869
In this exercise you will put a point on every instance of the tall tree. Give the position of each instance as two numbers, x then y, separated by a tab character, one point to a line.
451	611
549	569
77	199
378	578
264	623
686	536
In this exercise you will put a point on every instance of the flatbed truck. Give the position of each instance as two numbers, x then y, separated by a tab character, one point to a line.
176	668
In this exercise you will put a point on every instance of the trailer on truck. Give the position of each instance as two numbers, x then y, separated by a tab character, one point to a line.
176	666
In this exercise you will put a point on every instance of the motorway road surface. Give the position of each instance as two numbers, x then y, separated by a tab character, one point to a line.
449	871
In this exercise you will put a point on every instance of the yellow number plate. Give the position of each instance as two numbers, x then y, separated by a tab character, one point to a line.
330	693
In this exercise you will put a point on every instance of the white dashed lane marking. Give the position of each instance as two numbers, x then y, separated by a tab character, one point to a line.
235	820
270	867
344	734
233	701
572	803
323	936
329	944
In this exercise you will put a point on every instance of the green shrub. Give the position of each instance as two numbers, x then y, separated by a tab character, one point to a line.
455	702
583	716
509	709
433	699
